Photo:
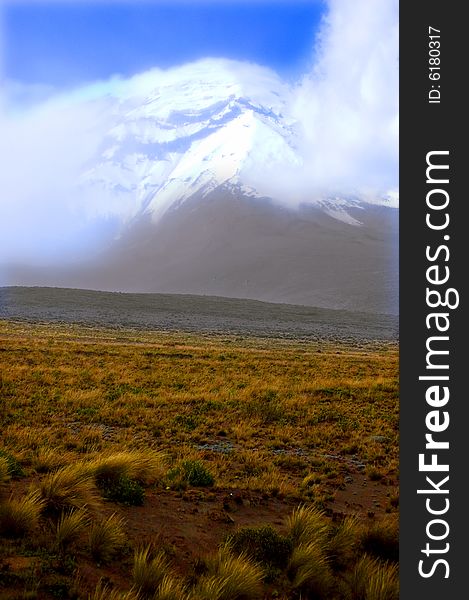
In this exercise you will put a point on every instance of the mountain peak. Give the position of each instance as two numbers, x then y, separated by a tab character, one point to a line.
198	127
193	133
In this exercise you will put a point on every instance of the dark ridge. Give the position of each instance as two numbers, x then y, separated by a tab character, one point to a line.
192	313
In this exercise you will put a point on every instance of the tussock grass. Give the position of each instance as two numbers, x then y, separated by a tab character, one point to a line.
144	465
4	470
104	592
70	526
344	541
148	571
107	537
310	571
20	517
231	577
382	539
308	524
68	488
171	589
48	459
372	579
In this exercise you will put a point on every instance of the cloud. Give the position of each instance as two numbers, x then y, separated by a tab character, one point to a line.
42	150
347	105
345	108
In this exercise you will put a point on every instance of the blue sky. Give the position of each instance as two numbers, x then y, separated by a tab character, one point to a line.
65	44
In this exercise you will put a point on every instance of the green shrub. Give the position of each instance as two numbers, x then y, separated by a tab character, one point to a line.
14	467
186	422
4	470
123	490
191	472
263	544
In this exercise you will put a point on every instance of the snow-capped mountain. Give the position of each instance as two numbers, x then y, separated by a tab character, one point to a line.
191	165
205	126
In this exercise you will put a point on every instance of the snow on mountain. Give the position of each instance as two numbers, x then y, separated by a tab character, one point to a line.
202	126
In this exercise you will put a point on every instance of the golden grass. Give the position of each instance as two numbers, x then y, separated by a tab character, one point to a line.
344	541
381	539
231	577
148	571
68	488
69	527
47	459
136	391
310	571
307	525
4	470
104	592
20	517
145	466
269	417
372	579
107	537
171	589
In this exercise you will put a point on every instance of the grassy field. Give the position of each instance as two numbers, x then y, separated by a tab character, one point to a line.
137	464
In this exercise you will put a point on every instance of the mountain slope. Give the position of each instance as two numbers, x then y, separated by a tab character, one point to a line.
226	244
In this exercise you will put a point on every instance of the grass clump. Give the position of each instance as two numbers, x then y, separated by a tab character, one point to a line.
372	579
70	526
190	472
310	566
343	542
14	468
148	571
20	517
107	538
310	571
263	544
48	459
122	475
171	589
231	577
123	490
308	524
104	592
144	466
382	539
67	489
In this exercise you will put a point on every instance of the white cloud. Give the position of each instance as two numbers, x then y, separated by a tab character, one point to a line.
346	108
42	151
